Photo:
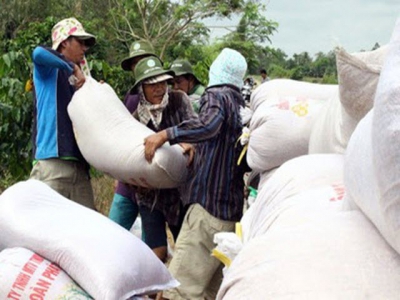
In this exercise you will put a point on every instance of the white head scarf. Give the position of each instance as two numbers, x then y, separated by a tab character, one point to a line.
228	68
148	111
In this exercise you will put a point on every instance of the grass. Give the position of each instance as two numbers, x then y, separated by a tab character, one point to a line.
103	190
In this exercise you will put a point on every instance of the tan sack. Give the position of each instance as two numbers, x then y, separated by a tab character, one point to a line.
358	75
372	172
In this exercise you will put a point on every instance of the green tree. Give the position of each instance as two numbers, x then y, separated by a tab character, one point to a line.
324	65
268	58
164	23
16	100
17	14
252	31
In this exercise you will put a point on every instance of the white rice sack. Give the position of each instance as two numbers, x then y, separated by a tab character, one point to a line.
27	275
265	176
305	174
280	131
358	75
275	89
315	255
332	129
106	260
359	172
386	141
111	140
372	160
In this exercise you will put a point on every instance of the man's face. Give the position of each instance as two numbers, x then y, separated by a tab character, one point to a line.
74	49
155	92
182	83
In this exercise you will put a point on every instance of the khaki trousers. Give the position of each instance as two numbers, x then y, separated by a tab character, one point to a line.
199	273
69	178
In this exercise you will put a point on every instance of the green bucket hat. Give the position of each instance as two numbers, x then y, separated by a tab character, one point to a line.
139	48
182	67
150	69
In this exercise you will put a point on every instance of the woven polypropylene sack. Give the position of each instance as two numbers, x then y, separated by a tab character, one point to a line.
372	161
106	260
112	140
358	75
27	275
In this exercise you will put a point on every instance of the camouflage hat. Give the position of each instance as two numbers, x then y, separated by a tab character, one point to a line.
182	67
139	48
151	68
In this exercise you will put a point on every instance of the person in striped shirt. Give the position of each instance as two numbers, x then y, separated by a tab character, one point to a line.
213	194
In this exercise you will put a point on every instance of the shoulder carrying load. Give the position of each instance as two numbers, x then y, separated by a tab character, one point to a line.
106	260
281	125
372	172
111	140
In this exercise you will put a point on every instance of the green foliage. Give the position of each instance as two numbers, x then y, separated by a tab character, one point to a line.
253	26
252	30
202	65
15	116
297	73
119	80
276	71
166	23
267	57
329	79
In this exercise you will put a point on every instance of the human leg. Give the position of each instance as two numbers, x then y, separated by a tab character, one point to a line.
192	264
69	178
123	211
155	236
175	229
49	172
82	190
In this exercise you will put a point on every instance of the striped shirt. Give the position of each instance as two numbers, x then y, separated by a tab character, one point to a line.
215	181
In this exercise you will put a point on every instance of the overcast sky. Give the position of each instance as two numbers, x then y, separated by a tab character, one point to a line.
321	25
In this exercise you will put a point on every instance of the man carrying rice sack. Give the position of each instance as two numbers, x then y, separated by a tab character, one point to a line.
214	195
159	109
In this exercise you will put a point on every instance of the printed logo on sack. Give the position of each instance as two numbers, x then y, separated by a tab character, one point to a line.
339	190
151	63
